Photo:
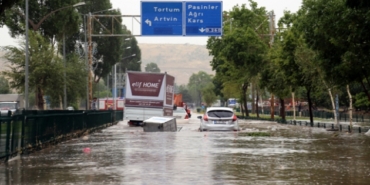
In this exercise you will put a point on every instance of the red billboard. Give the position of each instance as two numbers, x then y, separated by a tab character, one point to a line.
145	84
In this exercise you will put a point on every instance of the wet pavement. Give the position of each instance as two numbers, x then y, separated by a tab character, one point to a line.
127	155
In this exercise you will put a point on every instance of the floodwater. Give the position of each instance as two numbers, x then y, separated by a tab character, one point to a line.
127	155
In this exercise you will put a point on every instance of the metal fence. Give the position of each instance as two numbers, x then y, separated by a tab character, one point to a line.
343	116
31	130
329	126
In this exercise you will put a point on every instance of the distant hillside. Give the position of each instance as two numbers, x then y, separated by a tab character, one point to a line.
179	60
2	61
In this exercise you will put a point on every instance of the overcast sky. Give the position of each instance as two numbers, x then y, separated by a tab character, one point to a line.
132	7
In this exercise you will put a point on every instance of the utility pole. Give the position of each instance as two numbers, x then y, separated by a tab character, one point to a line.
89	60
87	66
272	34
64	73
26	65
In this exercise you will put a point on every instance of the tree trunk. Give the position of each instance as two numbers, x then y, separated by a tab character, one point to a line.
272	107
282	109
309	104
253	97
258	114
60	102
333	105
245	88
242	105
242	109
200	98
293	104
350	105
40	98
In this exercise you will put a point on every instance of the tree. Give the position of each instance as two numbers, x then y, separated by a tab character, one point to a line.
196	83
152	67
45	67
238	56
338	33
358	3
53	26
76	83
131	60
68	23
100	90
208	94
186	97
4	86
45	71
4	5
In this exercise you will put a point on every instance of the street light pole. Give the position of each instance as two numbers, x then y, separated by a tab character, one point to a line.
65	75
87	67
26	66
89	58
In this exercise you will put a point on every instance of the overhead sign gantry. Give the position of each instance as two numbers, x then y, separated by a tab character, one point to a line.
181	18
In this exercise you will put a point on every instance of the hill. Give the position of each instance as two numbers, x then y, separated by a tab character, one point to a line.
179	60
2	61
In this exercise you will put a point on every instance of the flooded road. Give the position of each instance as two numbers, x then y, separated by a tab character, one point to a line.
126	155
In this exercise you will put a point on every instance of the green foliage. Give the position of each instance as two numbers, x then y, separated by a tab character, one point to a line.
4	86
361	101
186	96
64	20
238	56
131	47
75	79
358	3
152	67
208	94
45	66
196	83
100	90
45	71
4	5
340	36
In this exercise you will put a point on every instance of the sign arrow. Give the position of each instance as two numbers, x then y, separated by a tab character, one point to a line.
202	30
148	22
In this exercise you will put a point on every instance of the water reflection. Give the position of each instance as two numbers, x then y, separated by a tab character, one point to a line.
291	155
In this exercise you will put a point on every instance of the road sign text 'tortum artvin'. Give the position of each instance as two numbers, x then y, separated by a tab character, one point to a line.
181	18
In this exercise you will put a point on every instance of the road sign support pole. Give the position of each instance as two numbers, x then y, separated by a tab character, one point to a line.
90	61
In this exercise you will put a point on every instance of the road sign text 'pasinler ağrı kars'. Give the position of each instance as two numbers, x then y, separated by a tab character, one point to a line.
197	15
181	18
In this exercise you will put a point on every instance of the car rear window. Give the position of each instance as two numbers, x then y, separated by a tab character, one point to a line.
220	113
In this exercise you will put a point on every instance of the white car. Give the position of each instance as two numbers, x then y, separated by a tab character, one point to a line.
218	118
70	108
181	115
6	106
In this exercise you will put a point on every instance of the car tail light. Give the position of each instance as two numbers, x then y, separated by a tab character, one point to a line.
205	118
234	118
